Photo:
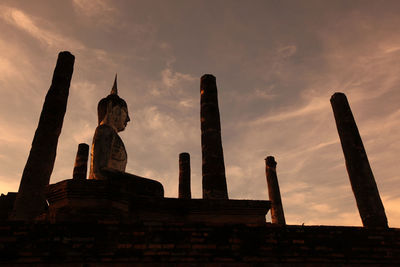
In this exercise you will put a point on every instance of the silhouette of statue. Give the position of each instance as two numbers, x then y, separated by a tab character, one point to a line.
108	155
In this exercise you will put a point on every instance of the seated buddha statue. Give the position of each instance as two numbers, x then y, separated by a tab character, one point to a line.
108	154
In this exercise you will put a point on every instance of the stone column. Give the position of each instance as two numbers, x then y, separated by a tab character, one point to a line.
361	177
213	167
81	160
184	176
31	198
277	215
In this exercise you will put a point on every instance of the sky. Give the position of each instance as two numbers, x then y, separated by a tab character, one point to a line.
277	63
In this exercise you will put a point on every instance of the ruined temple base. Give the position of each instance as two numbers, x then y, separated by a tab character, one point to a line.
95	200
196	244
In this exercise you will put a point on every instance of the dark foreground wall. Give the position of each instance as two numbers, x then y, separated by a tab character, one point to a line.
180	245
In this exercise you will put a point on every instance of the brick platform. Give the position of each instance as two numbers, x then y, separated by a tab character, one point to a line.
170	244
96	200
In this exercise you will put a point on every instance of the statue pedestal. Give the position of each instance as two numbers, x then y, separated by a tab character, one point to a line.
97	200
87	200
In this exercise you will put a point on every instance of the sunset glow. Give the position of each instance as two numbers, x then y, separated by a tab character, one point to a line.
277	63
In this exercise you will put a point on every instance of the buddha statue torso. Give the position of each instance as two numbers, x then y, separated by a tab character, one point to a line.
108	151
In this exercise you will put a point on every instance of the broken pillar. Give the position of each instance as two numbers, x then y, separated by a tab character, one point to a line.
31	199
361	177
184	176
277	215
213	167
81	160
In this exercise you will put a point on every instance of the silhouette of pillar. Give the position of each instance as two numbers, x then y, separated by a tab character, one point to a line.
80	168
184	176
31	199
361	177
213	167
277	215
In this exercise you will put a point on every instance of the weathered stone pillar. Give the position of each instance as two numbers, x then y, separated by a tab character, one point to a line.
81	160
213	167
361	177
277	215
31	198
184	176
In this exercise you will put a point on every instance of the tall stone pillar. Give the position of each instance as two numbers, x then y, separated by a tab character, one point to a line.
361	177
213	167
184	176
81	160
31	198
277	215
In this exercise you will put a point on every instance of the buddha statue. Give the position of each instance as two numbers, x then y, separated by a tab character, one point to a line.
108	154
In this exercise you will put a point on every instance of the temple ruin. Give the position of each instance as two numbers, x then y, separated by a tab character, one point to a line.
361	177
277	214
113	217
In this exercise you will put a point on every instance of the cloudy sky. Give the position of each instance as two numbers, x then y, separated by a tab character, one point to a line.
277	63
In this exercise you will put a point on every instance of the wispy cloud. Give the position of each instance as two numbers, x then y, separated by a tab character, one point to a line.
94	7
171	79
314	106
26	23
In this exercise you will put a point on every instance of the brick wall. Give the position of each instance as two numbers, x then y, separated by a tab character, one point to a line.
181	244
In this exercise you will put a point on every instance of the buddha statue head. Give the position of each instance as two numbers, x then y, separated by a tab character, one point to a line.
113	111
